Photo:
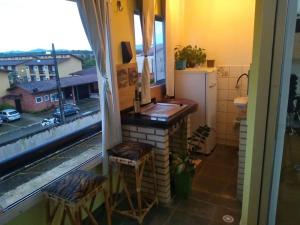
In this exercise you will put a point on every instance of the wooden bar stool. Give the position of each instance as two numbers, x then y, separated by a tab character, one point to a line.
72	193
130	159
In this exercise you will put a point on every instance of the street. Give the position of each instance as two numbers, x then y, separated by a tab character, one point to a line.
31	122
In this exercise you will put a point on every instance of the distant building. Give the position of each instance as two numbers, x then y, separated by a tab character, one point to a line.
41	95
41	67
4	83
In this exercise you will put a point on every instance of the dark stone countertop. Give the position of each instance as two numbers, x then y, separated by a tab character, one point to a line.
141	120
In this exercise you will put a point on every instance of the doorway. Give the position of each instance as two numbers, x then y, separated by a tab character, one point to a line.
18	105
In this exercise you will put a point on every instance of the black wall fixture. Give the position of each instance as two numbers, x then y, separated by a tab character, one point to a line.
126	51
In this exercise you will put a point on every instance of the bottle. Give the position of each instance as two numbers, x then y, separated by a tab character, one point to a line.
137	101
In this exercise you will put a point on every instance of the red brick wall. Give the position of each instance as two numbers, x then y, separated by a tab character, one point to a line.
28	101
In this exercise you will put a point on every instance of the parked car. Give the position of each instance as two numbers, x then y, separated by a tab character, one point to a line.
1	121
50	121
8	115
69	109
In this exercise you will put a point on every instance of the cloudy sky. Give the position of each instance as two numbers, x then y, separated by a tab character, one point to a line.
32	24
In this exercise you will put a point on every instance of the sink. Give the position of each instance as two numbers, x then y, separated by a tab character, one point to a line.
241	102
161	110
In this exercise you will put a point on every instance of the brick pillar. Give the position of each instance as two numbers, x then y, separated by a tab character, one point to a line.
242	156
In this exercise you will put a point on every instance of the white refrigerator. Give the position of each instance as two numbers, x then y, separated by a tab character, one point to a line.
200	85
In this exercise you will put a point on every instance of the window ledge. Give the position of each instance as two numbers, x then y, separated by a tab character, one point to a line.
23	190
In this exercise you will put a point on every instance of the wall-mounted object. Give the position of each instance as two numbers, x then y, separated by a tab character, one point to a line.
127	75
210	63
119	6
126	51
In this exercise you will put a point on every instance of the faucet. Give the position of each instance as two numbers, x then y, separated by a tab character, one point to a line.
238	80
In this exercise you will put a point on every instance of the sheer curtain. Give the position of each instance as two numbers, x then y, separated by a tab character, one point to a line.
95	19
147	23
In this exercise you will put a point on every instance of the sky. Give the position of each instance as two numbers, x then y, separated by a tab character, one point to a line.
32	24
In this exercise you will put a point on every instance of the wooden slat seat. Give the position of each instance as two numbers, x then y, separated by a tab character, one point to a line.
72	193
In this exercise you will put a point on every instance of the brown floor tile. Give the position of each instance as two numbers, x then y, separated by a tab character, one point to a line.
197	207
181	218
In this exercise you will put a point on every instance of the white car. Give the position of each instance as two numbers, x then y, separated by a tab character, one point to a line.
8	115
49	121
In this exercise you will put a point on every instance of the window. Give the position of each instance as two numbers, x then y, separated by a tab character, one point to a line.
54	97
156	57
34	66
46	98
38	99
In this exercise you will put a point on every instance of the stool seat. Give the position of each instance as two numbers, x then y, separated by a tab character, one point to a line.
73	193
75	185
130	150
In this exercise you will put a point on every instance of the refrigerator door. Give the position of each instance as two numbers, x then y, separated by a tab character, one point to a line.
192	86
211	110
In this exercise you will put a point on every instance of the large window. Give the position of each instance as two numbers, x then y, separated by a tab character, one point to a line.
156	56
33	88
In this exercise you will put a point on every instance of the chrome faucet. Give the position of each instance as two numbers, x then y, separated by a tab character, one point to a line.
238	80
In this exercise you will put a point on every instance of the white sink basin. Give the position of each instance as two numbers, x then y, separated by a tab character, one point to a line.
241	102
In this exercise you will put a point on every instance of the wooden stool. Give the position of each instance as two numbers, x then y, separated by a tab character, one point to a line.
132	156
72	193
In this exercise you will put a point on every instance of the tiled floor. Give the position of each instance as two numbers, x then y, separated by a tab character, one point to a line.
213	196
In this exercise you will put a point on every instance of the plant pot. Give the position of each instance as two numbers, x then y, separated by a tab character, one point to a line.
210	63
191	64
180	65
183	184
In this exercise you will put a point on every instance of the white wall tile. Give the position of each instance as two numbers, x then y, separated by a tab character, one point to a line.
222	106
223	83
235	71
227	112
222	95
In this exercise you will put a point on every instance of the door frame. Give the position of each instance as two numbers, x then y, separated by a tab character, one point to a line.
267	92
278	101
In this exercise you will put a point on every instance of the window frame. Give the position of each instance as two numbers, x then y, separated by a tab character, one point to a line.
160	19
46	98
38	97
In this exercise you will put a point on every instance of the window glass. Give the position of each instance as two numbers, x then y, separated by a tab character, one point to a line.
159	51
38	99
156	57
46	98
32	87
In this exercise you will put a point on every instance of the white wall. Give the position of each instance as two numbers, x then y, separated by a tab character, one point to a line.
223	28
174	36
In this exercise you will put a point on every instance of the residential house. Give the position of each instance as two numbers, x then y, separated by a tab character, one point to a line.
40	67
36	96
4	83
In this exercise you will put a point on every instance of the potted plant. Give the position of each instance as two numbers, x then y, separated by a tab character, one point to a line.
195	56
180	58
183	163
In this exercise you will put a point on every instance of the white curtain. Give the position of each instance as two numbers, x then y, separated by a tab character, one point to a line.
147	23
95	19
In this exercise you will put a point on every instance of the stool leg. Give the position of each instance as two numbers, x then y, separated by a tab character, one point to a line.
127	193
107	206
138	189
90	215
48	211
154	176
110	184
52	214
78	215
63	218
69	213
